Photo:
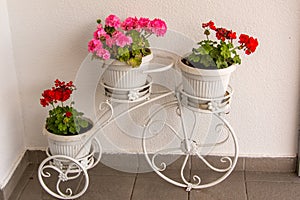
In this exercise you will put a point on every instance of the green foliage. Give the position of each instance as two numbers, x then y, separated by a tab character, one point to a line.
123	54
138	49
59	123
212	55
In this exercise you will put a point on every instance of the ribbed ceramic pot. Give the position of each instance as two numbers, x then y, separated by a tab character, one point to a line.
205	83
69	145
120	75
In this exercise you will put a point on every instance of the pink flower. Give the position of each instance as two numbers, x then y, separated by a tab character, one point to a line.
110	41
143	22
113	21
103	53
122	39
94	45
106	55
99	26
100	33
129	23
158	27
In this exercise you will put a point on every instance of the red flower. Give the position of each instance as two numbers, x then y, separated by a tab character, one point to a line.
243	38
221	34
252	44
249	43
68	114
70	84
231	35
49	97
209	24
44	102
61	92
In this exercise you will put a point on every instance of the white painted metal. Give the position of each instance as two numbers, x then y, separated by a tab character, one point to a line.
64	166
128	95
70	168
190	147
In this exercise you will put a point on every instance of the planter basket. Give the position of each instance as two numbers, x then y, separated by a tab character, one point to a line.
121	75
205	83
69	145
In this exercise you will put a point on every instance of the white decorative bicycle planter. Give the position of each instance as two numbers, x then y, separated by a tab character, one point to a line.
70	169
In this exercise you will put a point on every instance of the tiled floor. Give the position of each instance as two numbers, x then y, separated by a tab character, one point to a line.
110	184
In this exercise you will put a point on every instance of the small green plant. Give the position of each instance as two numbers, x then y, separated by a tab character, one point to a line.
222	53
63	119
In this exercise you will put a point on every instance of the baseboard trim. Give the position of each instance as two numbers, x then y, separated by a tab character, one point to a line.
262	164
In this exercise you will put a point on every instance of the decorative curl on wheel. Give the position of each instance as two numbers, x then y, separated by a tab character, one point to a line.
67	169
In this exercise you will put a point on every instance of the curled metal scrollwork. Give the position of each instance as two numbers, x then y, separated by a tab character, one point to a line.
67	169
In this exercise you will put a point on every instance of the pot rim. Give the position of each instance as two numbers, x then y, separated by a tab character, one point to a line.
121	66
205	72
68	137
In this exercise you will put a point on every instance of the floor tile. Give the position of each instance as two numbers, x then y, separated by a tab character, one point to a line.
273	191
109	188
198	164
157	188
34	191
232	188
103	170
123	163
270	164
272	177
172	171
208	176
107	183
27	175
171	161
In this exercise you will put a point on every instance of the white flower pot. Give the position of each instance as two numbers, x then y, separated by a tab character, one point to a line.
121	75
69	145
205	83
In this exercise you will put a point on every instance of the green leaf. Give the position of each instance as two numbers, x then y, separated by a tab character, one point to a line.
123	54
221	64
136	61
72	130
194	58
225	52
237	59
83	123
207	61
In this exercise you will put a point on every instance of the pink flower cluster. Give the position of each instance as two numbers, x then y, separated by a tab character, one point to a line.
104	41
155	26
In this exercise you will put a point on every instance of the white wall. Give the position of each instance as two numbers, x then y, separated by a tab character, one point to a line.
11	124
50	39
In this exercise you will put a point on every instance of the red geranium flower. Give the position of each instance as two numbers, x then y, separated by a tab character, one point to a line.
61	92
221	34
243	38
209	24
231	35
68	114
252	44
248	43
44	102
